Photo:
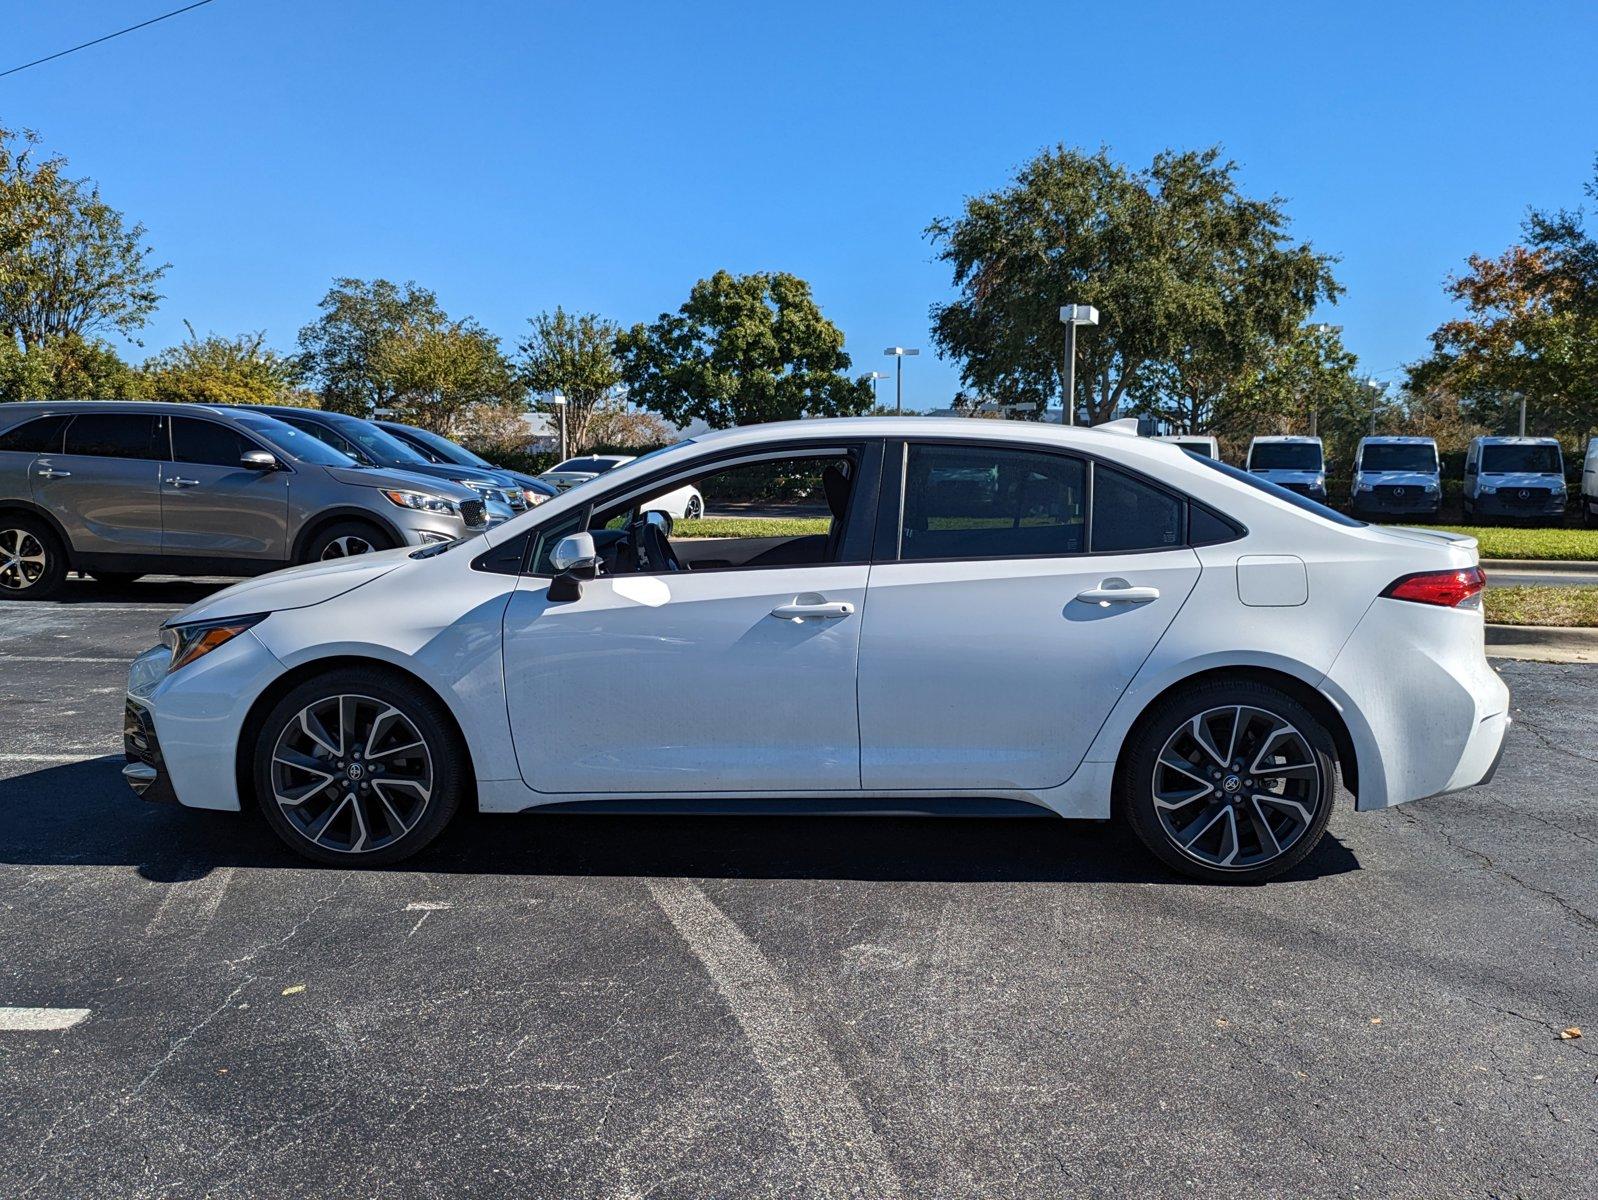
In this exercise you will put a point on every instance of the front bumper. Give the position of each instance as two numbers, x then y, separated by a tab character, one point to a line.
145	770
1508	504
1375	502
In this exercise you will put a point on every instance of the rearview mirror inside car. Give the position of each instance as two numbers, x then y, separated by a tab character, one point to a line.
258	460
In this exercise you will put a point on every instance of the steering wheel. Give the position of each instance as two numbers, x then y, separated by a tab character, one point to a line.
651	547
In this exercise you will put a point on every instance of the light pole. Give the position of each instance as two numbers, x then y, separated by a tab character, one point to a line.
1072	315
1376	388
559	401
1521	396
874	376
1315	414
899	353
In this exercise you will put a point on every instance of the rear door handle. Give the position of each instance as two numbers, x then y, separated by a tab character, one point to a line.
179	481
1118	591
826	610
52	473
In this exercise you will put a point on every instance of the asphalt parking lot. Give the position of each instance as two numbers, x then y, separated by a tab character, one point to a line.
609	1007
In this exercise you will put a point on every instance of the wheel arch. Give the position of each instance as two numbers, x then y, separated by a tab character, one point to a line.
243	772
28	508
1299	689
332	516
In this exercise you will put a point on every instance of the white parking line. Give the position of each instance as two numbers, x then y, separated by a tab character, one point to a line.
57	658
20	1020
834	1139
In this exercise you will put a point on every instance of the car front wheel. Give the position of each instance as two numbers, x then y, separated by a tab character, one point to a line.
1229	782
358	767
33	562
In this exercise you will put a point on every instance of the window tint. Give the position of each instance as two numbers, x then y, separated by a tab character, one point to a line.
1502	459
1284	456
42	435
991	502
1129	514
112	435
1399	456
327	437
196	441
1205	528
294	442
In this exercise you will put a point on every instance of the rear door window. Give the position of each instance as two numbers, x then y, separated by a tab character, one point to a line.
992	502
112	435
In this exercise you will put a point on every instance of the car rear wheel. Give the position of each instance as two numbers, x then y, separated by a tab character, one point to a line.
346	538
1229	782
33	562
694	509
358	767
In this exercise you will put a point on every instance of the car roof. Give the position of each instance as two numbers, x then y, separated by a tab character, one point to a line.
1393	439
46	407
1285	437
1493	440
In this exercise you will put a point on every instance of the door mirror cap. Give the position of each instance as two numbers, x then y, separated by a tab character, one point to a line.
574	552
258	460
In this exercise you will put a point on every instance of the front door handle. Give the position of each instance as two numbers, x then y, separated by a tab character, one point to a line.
52	473
179	481
826	610
1118	591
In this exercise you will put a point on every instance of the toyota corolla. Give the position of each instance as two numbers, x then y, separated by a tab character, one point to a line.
989	617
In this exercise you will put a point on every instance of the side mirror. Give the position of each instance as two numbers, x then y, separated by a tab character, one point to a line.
1470	468
576	558
258	460
660	520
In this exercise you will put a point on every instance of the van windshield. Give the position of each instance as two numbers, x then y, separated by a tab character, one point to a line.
1284	456
1539	460
1399	456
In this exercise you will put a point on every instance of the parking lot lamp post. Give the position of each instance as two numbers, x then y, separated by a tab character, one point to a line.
874	376
1521	396
559	401
1315	414
899	353
1375	386
1072	315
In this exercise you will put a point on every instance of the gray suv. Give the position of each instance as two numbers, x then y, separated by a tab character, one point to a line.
122	489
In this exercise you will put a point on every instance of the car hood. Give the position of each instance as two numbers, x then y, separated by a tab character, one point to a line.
1397	478
386	477
1522	479
294	587
1276	475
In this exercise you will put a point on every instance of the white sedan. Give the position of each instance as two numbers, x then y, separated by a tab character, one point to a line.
679	503
993	617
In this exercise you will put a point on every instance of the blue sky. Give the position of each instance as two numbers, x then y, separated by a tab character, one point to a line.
603	156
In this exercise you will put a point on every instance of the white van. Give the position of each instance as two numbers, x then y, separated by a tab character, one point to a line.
1197	443
1396	475
1514	477
1589	483
1297	463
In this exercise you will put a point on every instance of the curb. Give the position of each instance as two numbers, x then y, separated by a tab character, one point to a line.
1553	566
1543	643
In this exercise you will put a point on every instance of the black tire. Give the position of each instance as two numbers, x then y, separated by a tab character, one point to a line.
694	509
33	562
341	538
115	578
329	823
1236	804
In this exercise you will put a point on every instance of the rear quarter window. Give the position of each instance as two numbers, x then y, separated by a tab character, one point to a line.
42	435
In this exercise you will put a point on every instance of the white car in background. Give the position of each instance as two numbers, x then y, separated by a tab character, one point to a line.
996	617
1290	461
1589	483
1197	443
684	502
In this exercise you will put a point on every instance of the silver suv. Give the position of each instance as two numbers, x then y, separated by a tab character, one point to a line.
122	489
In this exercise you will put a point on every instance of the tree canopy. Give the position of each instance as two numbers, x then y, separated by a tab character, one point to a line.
69	266
338	350
1194	281
67	368
434	376
221	370
741	350
573	354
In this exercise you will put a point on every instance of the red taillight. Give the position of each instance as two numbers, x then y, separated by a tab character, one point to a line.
1447	589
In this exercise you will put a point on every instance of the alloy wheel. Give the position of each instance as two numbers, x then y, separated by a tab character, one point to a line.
343	547
351	774
22	559
1236	787
694	509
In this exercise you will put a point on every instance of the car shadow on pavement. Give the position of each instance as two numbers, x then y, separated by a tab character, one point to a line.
178	592
83	814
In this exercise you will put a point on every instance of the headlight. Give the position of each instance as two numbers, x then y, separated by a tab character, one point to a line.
1367	487
1558	488
422	501
1489	489
1431	489
192	641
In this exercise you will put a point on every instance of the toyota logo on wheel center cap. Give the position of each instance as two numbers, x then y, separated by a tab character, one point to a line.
1231	783
354	771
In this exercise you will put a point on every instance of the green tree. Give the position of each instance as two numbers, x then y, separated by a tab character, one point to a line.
573	354
338	350
1192	279
66	368
222	370
1306	381
742	350
434	377
69	266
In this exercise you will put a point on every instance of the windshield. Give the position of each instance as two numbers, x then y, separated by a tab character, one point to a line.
1281	493
1540	460
588	466
445	449
1284	456
1399	456
295	444
382	447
